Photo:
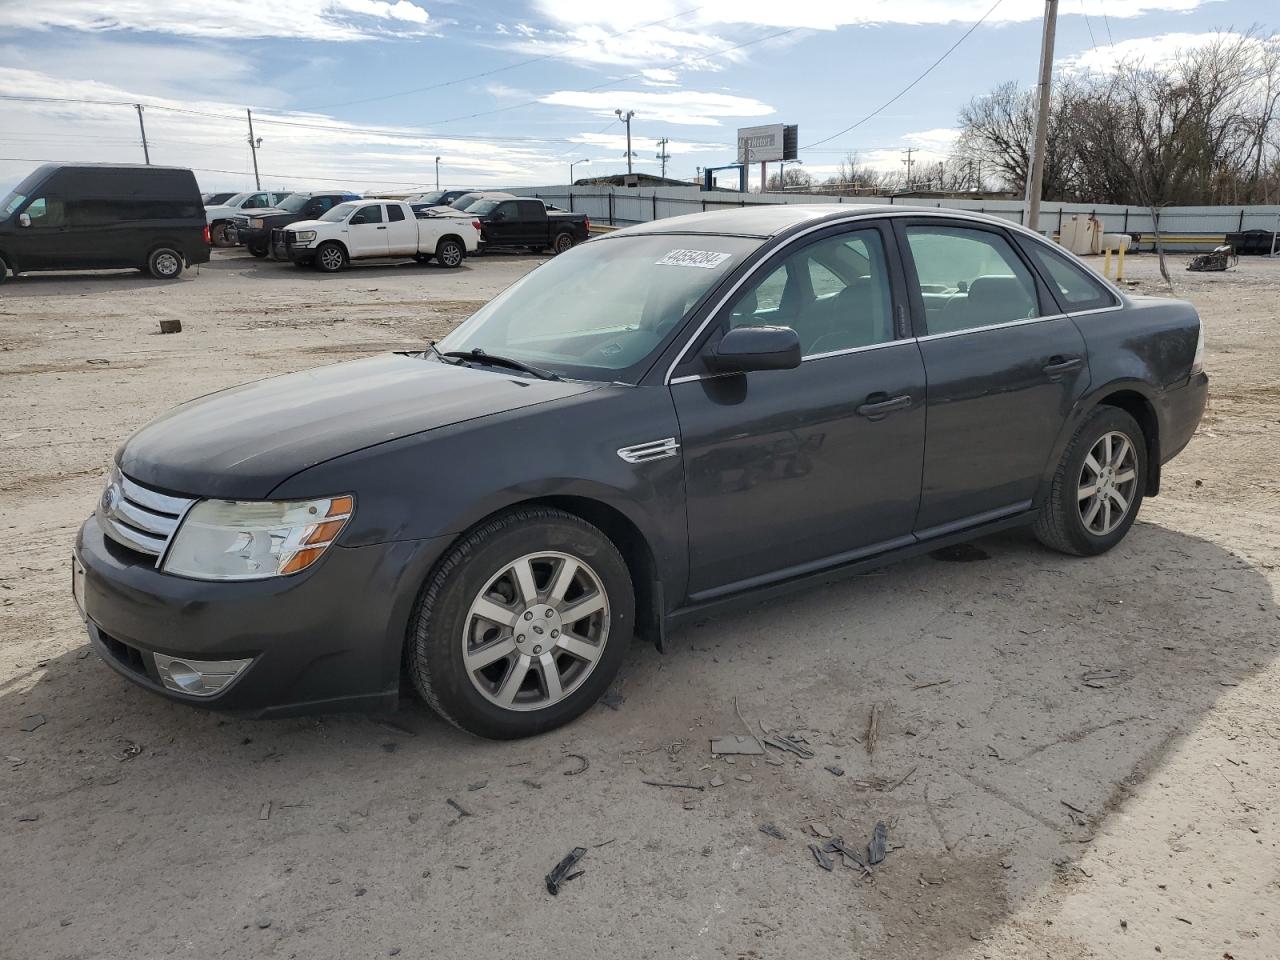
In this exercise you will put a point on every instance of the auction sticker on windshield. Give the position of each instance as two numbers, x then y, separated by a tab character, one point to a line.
707	259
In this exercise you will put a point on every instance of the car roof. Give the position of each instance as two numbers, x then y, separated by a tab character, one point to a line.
765	220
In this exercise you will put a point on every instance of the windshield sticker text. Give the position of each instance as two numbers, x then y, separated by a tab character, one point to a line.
707	259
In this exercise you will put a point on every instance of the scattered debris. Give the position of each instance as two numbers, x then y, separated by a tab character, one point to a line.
717	781
824	861
960	553
604	843
835	771
791	744
736	746
34	722
820	830
129	751
613	700
873	729
935	683
28	817
903	779
744	777
769	829
1071	806
674	786
462	811
582	769
173	325
560	872
473	787
532	784
16	761
264	923
1097	678
879	841
98	360
265	812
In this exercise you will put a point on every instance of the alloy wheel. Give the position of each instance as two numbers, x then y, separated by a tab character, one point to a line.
535	631
331	258
1107	483
450	254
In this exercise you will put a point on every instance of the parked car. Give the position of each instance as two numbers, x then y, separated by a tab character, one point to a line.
523	222
88	216
374	230
458	207
220	217
668	419
216	199
436	198
254	230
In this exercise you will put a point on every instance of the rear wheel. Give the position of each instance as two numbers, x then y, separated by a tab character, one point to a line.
218	235
523	625
1097	489
330	257
563	241
258	251
450	252
4	270
165	263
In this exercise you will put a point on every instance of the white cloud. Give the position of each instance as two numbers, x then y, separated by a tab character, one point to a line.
303	19
682	106
1154	52
659	77
939	138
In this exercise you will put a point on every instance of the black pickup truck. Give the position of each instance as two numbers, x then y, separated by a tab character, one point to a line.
254	229
528	223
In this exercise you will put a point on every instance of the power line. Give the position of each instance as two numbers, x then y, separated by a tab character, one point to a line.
1107	21
511	66
897	96
1093	43
245	173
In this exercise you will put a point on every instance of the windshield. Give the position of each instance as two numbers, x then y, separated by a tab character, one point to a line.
214	199
295	203
11	203
430	198
482	207
466	200
603	307
338	213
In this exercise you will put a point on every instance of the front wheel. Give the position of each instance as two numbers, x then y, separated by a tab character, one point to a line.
165	263
330	257
1097	489
258	251
563	242
523	625
450	253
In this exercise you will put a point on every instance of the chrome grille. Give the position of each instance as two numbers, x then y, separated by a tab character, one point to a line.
138	517
242	223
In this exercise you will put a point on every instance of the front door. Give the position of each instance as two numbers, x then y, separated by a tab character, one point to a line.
1004	371
792	470
43	244
502	228
367	233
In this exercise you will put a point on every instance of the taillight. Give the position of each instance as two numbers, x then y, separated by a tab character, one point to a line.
476	224
1197	361
207	241
586	222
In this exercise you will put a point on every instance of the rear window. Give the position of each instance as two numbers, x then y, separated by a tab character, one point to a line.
1074	286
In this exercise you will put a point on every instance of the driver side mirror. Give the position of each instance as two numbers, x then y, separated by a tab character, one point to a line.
24	219
755	348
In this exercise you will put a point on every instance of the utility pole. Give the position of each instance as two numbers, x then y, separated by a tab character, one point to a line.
146	154
253	146
1035	176
626	118
663	155
909	162
437	173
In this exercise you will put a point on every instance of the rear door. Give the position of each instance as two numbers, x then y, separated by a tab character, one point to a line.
367	232
1004	369
532	223
402	231
791	470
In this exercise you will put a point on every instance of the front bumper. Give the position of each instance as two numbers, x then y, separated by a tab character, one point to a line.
283	249
325	640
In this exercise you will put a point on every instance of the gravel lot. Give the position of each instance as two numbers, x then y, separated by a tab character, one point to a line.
1074	758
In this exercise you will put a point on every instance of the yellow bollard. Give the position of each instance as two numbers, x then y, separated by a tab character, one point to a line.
1106	264
1120	265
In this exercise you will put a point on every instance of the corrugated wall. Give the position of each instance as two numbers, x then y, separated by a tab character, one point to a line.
623	206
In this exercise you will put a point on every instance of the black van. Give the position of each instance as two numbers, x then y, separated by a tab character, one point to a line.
91	216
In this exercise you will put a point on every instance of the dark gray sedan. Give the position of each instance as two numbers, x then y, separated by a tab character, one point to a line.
675	416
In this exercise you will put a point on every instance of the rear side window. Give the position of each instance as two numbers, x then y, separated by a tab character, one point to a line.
531	208
394	212
1075	288
970	278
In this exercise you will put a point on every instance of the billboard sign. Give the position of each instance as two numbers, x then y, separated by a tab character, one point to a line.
776	141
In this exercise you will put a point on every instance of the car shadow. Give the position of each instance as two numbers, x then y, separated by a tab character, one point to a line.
996	714
69	284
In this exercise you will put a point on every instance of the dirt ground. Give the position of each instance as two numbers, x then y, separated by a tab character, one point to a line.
1074	758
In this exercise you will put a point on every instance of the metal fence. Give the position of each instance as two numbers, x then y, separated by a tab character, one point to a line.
1180	227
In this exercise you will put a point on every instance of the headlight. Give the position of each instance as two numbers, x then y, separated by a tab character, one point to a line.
304	236
251	540
256	223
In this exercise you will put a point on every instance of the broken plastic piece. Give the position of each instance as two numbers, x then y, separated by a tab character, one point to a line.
771	830
824	861
879	841
787	743
560	872
736	745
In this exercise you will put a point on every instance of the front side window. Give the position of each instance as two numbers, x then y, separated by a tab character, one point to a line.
604	309
1075	287
835	294
970	278
369	214
256	202
47	212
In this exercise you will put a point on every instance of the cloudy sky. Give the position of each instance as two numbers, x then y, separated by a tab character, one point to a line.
366	93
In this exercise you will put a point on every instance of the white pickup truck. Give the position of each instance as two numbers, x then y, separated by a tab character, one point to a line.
374	230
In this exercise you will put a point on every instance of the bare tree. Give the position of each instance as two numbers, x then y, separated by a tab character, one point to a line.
793	178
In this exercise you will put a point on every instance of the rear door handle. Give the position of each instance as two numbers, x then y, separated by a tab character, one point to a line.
1059	365
877	408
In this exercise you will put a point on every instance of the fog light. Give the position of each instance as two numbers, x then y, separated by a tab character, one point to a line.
199	678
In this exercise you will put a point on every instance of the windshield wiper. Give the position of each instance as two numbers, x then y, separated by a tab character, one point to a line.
431	347
480	356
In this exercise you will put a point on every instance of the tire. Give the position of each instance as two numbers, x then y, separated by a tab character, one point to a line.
165	263
4	270
258	252
562	242
480	570
450	252
1068	521
218	235
330	257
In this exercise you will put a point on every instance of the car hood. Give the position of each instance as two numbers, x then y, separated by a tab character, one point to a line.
222	210
310	224
243	442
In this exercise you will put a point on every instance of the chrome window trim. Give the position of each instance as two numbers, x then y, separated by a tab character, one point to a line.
991	326
940	213
1085	313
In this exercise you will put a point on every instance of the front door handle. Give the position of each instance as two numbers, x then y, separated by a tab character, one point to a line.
382	228
1059	365
880	405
